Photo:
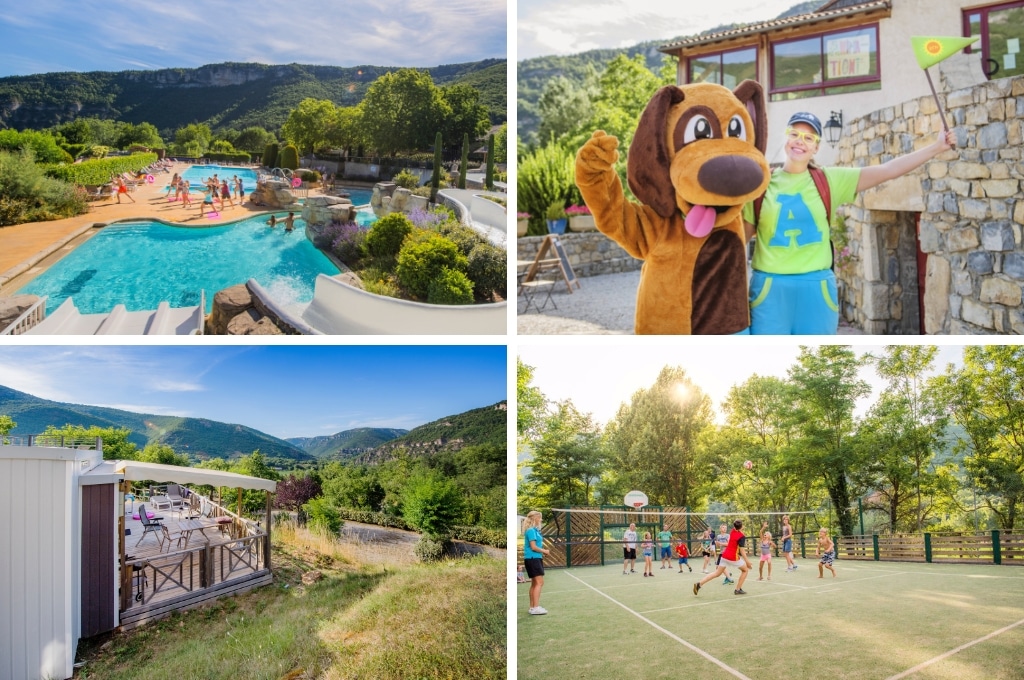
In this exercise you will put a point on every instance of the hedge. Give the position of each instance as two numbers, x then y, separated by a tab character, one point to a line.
99	171
232	156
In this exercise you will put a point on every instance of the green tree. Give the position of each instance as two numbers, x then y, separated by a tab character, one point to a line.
467	115
563	107
253	139
654	439
435	177
401	111
308	125
464	162
567	459
345	131
6	425
42	145
352	486
827	389
116	445
143	134
156	452
489	174
270	155
75	132
288	158
432	504
195	137
322	516
986	398
530	401
253	465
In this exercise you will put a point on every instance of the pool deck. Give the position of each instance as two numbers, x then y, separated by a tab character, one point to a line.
23	246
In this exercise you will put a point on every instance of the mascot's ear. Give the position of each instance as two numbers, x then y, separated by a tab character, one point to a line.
751	95
647	165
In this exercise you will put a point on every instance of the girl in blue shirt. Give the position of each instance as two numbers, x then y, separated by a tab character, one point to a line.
533	560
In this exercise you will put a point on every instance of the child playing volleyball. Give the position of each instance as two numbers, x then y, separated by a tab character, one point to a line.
533	559
707	548
683	555
766	555
733	556
648	548
827	549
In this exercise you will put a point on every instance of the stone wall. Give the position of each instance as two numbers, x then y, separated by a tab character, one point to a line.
970	206
590	253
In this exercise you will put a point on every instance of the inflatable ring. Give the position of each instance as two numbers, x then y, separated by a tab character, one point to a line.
296	182
150	179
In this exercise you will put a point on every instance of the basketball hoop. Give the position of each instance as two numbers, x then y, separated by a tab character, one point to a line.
635	499
638	505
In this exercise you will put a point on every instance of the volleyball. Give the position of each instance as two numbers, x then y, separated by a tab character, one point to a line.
748	465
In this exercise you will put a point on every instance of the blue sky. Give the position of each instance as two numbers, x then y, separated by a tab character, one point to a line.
547	27
284	391
42	36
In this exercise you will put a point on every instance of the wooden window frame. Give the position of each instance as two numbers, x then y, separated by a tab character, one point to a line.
823	87
966	25
720	54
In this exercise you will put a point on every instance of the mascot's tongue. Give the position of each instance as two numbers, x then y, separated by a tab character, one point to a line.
700	220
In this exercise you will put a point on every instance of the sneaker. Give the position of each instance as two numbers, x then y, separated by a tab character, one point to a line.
794	567
696	587
632	571
538	611
728	581
789	568
662	567
623	573
691	569
739	591
760	579
645	575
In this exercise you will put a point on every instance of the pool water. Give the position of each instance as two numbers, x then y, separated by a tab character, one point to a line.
139	264
196	175
359	196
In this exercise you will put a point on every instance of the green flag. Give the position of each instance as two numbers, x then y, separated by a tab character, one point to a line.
931	50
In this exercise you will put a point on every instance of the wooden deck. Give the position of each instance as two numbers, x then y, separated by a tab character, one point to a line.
160	579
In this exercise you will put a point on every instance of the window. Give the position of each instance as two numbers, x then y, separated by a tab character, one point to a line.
827	63
724	68
1001	28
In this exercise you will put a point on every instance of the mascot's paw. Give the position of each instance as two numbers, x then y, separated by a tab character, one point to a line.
597	156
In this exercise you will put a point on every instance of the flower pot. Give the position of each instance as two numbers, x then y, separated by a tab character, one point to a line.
522	225
557	226
582	223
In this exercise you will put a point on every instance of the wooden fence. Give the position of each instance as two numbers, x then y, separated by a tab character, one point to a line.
995	547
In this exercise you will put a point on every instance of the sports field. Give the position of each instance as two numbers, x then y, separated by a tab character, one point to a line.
875	620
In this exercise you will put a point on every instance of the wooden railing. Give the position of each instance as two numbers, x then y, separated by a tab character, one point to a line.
995	547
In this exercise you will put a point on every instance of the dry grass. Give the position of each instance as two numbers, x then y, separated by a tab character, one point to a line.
373	614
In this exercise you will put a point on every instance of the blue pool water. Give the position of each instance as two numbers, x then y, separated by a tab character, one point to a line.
359	196
138	264
197	174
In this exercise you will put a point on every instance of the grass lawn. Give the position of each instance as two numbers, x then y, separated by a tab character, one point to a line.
374	614
876	620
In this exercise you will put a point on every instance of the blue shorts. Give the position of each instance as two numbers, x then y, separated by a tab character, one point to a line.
794	304
666	553
787	545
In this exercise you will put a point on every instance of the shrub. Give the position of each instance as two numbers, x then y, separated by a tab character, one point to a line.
466	238
348	241
428	549
322	516
43	145
385	237
544	177
379	283
429	218
379	518
406	180
288	158
28	195
492	537
451	287
309	175
422	258
488	270
270	155
432	503
99	171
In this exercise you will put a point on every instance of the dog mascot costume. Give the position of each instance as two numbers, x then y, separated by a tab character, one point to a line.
696	158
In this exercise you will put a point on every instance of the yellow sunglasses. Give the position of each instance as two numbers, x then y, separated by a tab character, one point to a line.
806	137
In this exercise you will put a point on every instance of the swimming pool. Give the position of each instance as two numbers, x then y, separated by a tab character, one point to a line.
138	264
196	174
358	195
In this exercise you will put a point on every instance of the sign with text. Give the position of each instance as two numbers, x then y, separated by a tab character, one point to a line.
849	56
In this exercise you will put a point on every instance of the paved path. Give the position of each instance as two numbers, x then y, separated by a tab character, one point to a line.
603	305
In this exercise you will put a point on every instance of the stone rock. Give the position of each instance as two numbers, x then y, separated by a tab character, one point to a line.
977	314
992	136
1001	292
936	295
227	304
13	307
997	236
400	200
311	577
961	239
968	170
980	262
1013	265
244	323
349	278
1000	188
930	237
973	209
1018	212
876	305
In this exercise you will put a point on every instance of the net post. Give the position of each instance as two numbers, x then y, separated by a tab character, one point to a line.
835	546
568	536
600	517
997	556
874	545
927	547
686	509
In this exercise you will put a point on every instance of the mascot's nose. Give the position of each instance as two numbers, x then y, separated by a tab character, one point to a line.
730	175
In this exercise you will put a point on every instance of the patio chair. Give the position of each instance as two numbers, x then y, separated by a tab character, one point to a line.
194	509
174	493
150	525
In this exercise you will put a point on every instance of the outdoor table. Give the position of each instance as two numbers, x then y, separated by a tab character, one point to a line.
187	526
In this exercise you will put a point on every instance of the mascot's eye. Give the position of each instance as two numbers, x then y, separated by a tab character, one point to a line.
697	127
736	128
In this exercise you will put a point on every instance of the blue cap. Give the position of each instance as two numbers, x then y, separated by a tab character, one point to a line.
809	119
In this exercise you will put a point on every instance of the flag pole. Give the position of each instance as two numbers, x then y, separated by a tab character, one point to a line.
942	114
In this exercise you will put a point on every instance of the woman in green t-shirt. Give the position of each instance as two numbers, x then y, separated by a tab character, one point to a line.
793	288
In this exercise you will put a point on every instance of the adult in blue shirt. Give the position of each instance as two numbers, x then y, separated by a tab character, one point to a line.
533	559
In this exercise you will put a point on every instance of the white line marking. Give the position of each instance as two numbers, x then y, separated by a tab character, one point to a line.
929	662
717	662
834	590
